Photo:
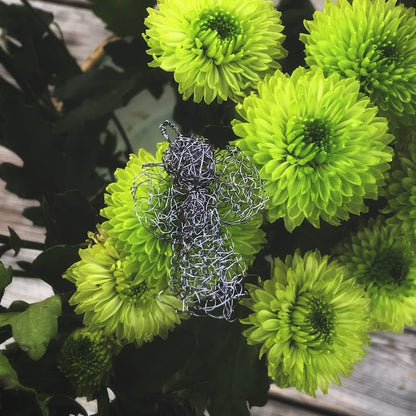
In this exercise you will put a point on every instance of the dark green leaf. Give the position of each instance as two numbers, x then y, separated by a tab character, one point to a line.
41	375
61	405
97	94
20	403
72	217
8	377
124	17
212	121
35	215
6	275
232	369
408	3
240	378
128	53
24	265
52	264
147	373
18	306
15	241
35	57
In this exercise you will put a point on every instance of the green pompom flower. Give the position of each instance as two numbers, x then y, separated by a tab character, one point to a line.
384	262
85	359
215	48
312	324
138	244
373	41
134	242
318	144
401	190
117	299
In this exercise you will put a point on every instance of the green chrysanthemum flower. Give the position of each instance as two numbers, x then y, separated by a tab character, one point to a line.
319	146
133	241
312	324
85	359
152	255
373	41
384	262
401	190
116	298
215	48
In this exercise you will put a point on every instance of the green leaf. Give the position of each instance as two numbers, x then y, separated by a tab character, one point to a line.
15	241
52	264
33	54
234	372
5	318
147	372
70	216
8	377
20	402
63	405
5	277
128	53
98	93
33	328
123	17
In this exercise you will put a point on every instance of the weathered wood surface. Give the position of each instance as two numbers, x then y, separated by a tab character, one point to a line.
383	384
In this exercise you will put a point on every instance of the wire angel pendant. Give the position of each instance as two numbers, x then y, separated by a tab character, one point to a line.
193	195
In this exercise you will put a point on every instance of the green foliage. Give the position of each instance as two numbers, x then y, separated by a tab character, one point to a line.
33	328
8	377
124	17
204	362
5	276
52	263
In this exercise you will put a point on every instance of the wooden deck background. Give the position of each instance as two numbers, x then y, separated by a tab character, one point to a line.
383	384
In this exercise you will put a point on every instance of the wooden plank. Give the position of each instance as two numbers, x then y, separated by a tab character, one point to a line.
11	207
383	384
281	408
318	4
72	3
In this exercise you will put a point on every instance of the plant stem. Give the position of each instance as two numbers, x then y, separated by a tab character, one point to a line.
122	133
33	245
24	273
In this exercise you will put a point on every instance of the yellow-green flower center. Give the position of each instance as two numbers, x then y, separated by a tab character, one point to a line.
378	64
321	318
222	22
309	141
312	321
131	288
388	268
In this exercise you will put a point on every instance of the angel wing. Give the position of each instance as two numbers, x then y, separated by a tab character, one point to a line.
238	187
156	202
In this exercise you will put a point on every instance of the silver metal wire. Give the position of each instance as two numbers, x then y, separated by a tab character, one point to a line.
189	199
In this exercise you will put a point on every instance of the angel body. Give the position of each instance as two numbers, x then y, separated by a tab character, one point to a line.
194	193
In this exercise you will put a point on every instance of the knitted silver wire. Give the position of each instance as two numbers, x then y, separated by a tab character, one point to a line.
190	198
